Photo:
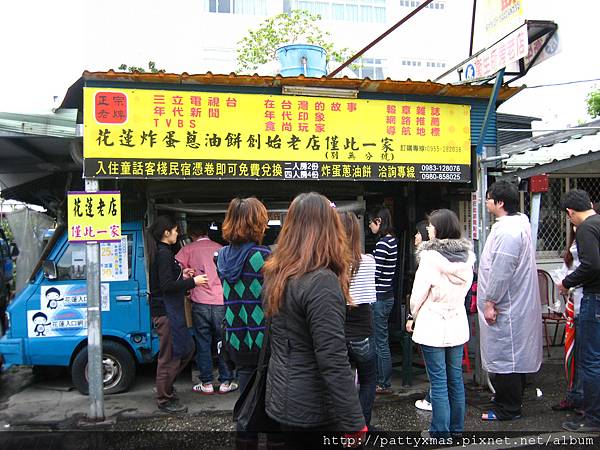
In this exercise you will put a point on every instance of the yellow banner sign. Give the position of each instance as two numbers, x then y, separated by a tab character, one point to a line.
188	134
94	216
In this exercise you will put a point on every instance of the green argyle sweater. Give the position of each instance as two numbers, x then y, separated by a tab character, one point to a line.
244	317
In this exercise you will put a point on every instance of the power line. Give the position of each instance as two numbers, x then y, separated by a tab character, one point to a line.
562	84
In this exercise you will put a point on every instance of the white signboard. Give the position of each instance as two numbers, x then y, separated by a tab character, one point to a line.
113	261
549	51
474	216
464	216
497	18
70	296
57	323
505	52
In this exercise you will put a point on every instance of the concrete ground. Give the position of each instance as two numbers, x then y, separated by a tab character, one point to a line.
47	410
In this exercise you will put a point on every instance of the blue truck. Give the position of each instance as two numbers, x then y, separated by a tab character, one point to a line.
8	251
47	323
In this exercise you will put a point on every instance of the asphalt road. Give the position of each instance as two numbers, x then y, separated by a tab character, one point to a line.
45	412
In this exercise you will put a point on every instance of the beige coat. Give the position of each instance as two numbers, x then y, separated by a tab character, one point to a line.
437	302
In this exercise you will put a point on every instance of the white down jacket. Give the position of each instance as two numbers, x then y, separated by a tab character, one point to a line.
437	302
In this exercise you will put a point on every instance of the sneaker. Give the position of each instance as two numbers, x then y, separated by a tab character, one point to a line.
173	407
423	405
204	388
228	386
563	405
580	427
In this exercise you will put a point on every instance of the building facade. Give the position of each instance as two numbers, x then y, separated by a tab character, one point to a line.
420	49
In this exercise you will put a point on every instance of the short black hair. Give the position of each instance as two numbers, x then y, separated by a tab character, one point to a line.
52	290
387	225
446	224
39	314
577	200
507	192
198	228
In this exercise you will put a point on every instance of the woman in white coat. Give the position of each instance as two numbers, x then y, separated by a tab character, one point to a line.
442	280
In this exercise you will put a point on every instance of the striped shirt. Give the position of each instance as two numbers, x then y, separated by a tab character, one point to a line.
386	255
362	285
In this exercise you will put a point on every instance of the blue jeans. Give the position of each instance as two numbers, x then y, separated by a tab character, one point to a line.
207	325
575	394
381	314
243	374
444	368
362	354
589	350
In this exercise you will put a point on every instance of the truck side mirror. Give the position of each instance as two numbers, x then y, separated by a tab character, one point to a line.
14	250
49	268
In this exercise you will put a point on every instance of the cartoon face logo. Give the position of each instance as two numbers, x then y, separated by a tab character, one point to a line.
41	322
53	297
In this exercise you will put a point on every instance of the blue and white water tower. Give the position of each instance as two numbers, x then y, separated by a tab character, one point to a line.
302	59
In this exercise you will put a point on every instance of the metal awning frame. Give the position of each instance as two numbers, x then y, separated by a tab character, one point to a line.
535	30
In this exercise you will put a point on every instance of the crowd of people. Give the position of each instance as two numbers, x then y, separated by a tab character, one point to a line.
327	306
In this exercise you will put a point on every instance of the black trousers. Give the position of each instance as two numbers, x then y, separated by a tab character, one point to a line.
509	394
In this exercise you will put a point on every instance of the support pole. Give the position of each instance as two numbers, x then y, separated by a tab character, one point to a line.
94	324
536	201
482	162
488	112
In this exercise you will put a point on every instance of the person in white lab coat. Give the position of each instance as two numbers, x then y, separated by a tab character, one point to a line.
508	303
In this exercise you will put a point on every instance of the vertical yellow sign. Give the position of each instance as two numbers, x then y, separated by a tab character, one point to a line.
94	216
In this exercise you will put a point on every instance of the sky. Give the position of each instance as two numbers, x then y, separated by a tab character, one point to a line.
46	45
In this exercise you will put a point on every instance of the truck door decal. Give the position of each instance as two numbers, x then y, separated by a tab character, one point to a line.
68	296
58	323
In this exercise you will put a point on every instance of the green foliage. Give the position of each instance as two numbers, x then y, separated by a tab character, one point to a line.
593	103
151	67
297	26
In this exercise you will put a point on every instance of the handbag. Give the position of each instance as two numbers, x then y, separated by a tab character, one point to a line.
249	411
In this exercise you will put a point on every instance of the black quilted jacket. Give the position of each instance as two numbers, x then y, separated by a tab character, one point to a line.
310	383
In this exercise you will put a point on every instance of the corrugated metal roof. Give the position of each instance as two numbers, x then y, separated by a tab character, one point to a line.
59	124
552	147
387	86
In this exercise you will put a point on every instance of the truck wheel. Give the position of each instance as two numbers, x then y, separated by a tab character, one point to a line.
118	368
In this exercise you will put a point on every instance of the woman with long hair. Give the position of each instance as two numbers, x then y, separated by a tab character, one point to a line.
359	316
444	276
239	266
386	258
310	386
168	284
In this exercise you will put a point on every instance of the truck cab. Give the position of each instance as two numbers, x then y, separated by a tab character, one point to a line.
47	320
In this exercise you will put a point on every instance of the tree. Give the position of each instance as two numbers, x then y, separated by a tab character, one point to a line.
297	26
593	103
151	67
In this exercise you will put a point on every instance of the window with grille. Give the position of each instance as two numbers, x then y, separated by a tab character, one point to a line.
590	185
553	225
347	10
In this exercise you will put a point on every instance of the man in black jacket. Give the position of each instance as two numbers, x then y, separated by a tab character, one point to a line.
580	212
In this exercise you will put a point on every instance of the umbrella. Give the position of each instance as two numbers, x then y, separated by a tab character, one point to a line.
570	342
